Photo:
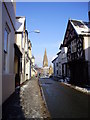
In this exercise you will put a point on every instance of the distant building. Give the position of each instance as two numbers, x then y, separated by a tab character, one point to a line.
63	60
45	65
30	56
55	66
39	71
59	63
50	70
33	70
27	57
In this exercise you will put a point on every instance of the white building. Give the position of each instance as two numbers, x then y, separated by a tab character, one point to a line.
27	58
55	66
33	70
8	39
63	70
0	60
59	64
21	42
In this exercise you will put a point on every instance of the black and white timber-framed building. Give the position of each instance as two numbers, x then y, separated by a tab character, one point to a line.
77	41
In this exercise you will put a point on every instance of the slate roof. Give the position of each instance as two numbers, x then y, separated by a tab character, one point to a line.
54	58
20	23
81	28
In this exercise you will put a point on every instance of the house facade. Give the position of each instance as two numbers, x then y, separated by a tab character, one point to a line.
28	57
21	43
50	70
78	47
63	68
24	46
55	66
59	64
1	61
33	70
8	38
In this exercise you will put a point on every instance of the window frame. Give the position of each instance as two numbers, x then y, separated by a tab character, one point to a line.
7	29
74	46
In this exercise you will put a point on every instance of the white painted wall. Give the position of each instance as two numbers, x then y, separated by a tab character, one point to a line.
86	47
0	60
62	59
60	64
55	67
8	81
64	55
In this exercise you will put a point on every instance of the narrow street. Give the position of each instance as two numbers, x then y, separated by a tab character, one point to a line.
63	101
26	103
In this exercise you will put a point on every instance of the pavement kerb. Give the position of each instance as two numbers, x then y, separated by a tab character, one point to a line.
42	94
76	88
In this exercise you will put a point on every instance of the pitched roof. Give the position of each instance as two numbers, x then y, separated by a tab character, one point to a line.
81	28
58	52
54	59
20	23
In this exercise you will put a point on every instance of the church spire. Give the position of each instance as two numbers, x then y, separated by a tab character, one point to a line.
45	60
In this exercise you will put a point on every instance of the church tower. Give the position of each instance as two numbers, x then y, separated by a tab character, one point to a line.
45	60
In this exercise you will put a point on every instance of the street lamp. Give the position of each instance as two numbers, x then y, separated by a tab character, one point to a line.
35	31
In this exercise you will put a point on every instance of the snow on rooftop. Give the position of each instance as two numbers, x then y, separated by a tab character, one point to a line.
81	27
20	24
54	58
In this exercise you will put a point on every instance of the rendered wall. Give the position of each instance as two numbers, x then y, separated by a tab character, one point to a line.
8	81
0	60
